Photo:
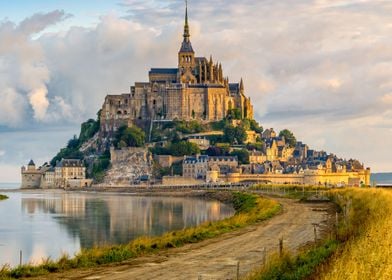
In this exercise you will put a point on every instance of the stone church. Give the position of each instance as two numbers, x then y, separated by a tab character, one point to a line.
195	90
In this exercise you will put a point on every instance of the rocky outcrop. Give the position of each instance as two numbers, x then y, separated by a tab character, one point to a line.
128	166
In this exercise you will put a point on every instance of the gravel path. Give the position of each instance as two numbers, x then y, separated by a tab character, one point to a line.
217	258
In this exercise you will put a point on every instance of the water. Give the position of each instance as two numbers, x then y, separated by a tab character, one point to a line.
48	223
382	178
13	186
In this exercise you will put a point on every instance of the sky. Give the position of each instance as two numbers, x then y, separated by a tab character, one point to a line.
321	68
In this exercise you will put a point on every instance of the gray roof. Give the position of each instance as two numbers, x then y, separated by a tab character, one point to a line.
70	163
186	47
31	162
172	71
234	87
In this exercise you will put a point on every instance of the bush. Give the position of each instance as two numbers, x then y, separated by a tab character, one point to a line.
189	127
242	155
234	135
129	137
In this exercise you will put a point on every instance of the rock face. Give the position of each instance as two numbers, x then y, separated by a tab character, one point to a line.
128	166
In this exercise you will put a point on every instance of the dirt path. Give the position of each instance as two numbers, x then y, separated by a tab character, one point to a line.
217	258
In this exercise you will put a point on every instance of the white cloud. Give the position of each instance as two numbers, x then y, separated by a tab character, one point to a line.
321	68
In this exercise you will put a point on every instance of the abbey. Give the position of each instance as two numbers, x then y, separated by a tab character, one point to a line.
195	90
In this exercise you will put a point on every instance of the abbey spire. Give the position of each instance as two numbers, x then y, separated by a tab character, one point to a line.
186	45
186	25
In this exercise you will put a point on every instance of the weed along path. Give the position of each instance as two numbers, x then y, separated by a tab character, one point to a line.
225	256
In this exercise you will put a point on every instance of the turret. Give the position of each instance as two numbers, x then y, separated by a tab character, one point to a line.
241	86
31	165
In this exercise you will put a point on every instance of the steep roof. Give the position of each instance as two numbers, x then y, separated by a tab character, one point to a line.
31	163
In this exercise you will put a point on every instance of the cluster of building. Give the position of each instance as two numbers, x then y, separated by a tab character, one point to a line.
68	173
276	162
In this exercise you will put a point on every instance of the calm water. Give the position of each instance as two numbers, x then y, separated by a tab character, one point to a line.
382	178
45	224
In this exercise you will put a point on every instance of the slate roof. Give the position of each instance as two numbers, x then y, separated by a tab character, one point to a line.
172	71
70	163
186	47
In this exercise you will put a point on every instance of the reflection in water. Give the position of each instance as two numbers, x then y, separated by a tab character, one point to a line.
71	221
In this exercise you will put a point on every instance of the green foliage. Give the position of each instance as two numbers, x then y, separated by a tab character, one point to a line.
234	114
178	149
2	197
100	166
234	135
255	126
129	137
183	148
299	267
189	127
258	146
88	130
219	125
69	152
243	202
249	210
216	151
242	155
289	137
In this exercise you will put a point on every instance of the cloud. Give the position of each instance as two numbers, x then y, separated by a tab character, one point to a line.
23	71
40	21
2	153
321	68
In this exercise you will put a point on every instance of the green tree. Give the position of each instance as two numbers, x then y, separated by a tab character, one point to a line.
289	137
242	155
129	137
234	114
234	135
183	148
255	126
87	130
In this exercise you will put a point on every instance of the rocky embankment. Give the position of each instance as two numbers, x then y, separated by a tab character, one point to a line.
128	166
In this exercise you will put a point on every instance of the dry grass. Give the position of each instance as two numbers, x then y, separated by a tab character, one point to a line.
368	255
362	248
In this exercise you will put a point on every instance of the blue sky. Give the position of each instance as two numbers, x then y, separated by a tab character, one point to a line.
318	67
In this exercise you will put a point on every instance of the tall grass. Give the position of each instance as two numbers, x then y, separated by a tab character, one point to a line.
249	209
360	249
369	254
2	197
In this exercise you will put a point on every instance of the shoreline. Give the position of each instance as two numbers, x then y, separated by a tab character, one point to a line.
250	209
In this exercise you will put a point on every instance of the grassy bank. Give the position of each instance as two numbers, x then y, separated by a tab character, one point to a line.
360	249
249	210
2	197
369	254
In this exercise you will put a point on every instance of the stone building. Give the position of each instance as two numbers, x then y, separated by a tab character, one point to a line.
68	172
195	90
31	176
198	167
